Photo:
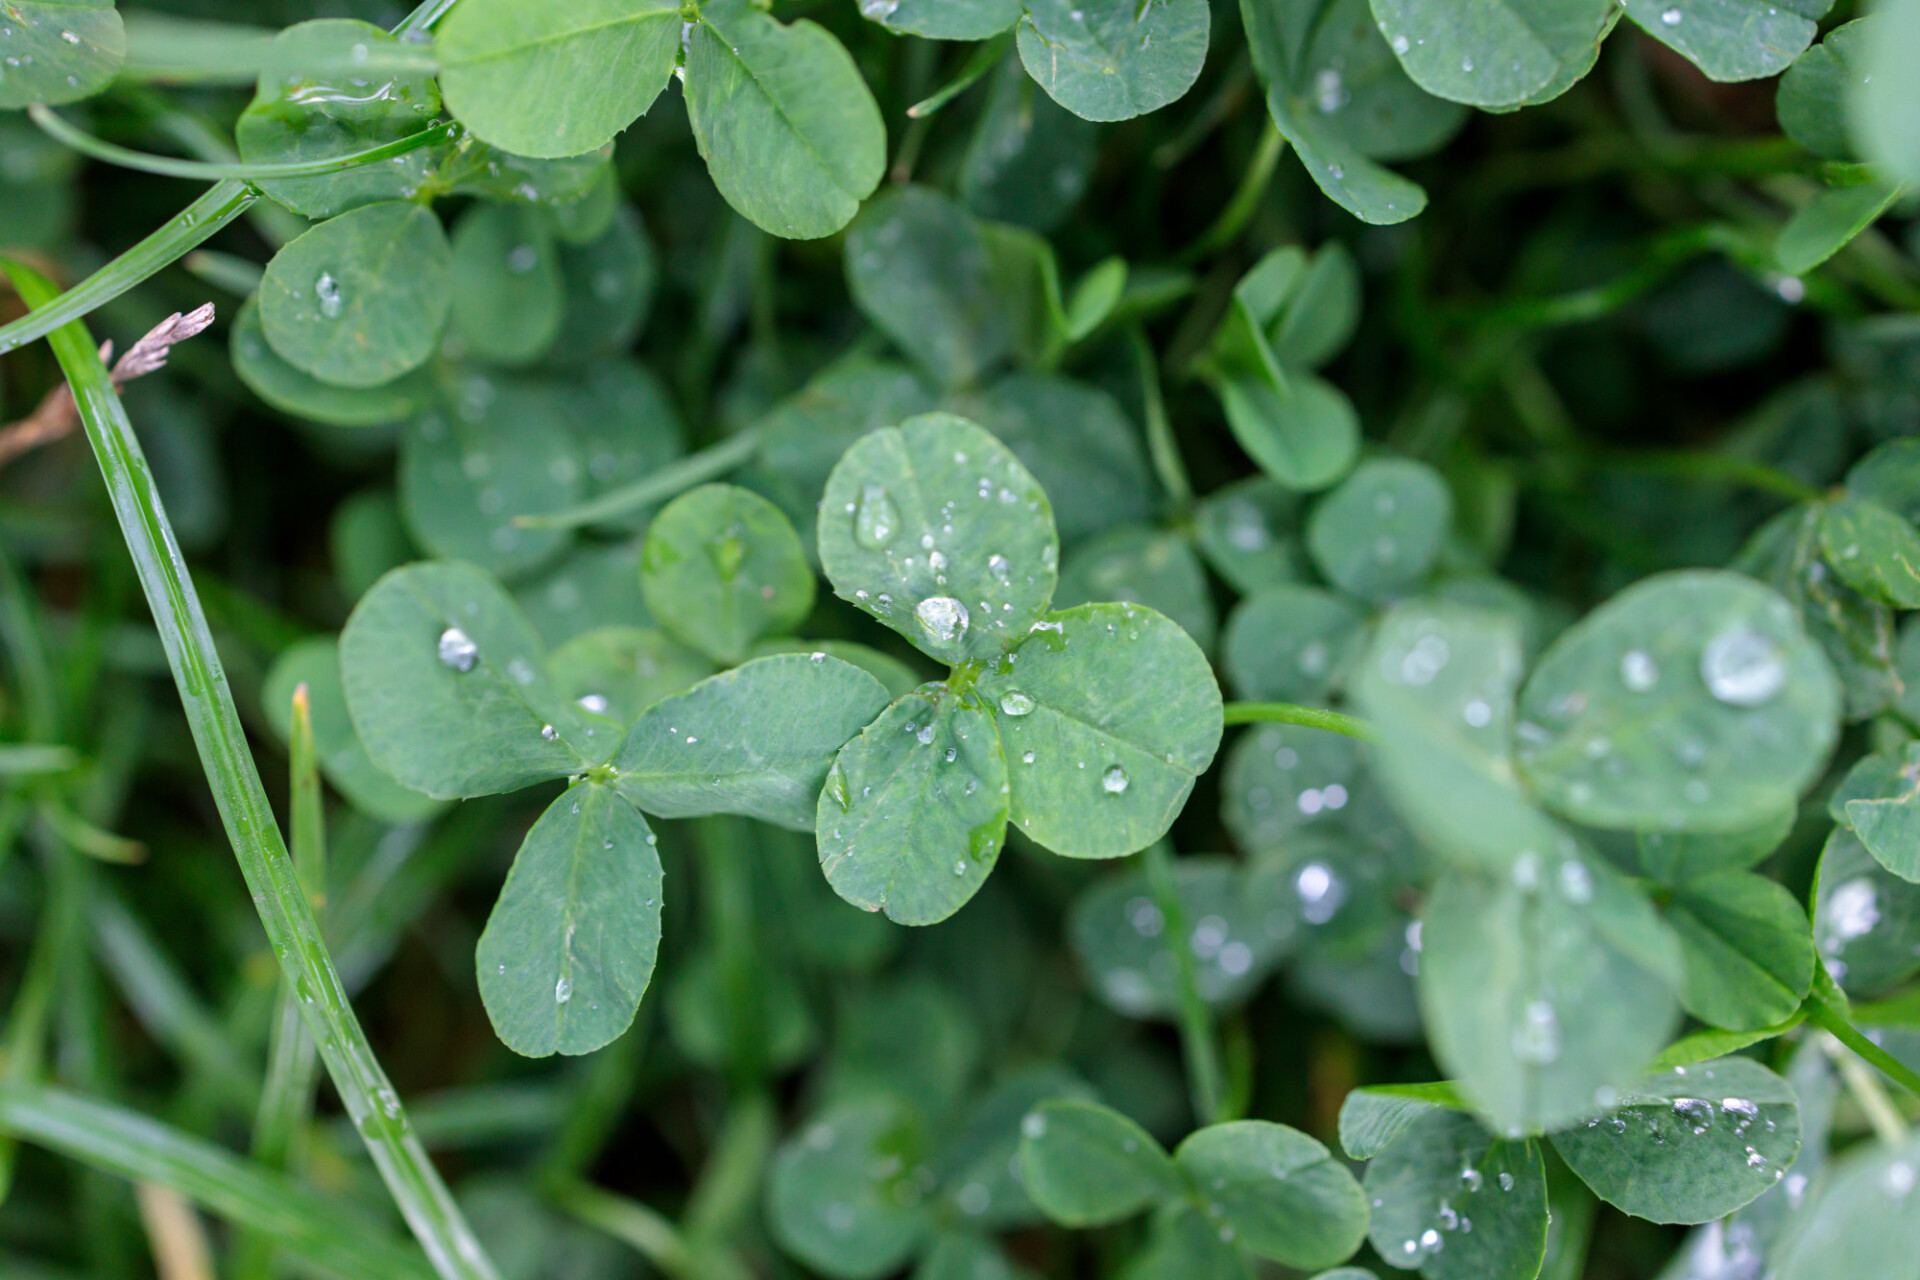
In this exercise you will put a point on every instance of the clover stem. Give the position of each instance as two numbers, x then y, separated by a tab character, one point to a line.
1205	1080
194	225
1161	445
674	478
424	16
171	167
1245	200
985	57
1830	1020
278	893
1293	713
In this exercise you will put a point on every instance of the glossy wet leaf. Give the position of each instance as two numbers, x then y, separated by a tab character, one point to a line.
446	682
1885	813
915	808
898	678
1690	701
1541	985
1235	933
1373	1118
938	531
944	19
1282	1194
1305	435
1828	223
1457	1202
1290	643
789	130
315	663
841	1193
1691	1144
299	393
1114	59
1323	310
593	585
302	116
757	740
1496	53
1087	1165
492	449
917	265
337	302
507	287
980	1169
1876	550
1862	1223
58	50
618	672
1108	713
1885	102
555	80
1185	1244
1865	918
722	567
1283	779
1247	531
1136	564
1732	39
1746	947
1812	99
569	948
1378	533
1077	442
1675	857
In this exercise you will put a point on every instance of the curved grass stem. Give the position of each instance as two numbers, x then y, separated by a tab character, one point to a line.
674	478
1292	713
85	143
278	892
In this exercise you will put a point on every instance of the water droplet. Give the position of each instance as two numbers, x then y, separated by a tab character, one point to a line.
1015	703
1114	780
1671	17
960	868
1401	44
1506	1181
944	618
1472	1178
1034	1125
1899	1179
1026	757
523	258
876	520
562	991
457	651
1638	671
1742	667
550	733
1576	882
593	702
327	290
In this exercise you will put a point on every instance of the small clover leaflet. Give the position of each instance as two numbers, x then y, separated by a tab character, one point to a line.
1085	728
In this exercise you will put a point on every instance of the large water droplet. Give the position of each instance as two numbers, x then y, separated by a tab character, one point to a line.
944	618
1015	703
1638	671
1742	667
457	650
327	289
1114	780
562	991
999	567
876	520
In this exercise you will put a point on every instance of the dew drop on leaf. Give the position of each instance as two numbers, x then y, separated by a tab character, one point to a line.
327	290
550	733
1638	671
562	991
1742	668
876	520
1114	780
1015	703
944	618
457	650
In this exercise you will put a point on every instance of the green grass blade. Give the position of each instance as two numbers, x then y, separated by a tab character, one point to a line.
168	166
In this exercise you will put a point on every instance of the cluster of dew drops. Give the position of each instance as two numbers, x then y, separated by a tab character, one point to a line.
1449	1219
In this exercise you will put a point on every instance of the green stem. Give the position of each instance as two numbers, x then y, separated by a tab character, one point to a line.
714	460
424	16
1205	1079
1292	713
1245	201
1161	445
1700	464
35	759
1826	1017
169	167
1657	262
54	954
363	1087
196	223
986	56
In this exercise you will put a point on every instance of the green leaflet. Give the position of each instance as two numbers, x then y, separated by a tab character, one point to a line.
297	392
788	128
1864	917
1496	53
1828	223
366	539
59	50
1690	701
570	945
1114	59
944	19
594	585
1108	713
1281	1195
981	1168
1247	531
1878	800
1238	929
1860	1224
1543	985
1086	1165
915	809
1185	1244
1884	103
298	116
555	80
1732	39
960	1256
897	677
507	287
1137	564
843	1197
1812	101
618	672
1746	947
1030	159
917	265
1282	780
608	290
721	568
316	664
1874	549
1378	533
1690	1144
757	740
1457	1202
938	531
1675	857
445	679
1372	1119
1290	643
489	451
336	303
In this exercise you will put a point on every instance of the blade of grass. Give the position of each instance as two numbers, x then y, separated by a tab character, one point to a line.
1205	1080
86	144
674	478
366	1093
1290	713
143	1150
